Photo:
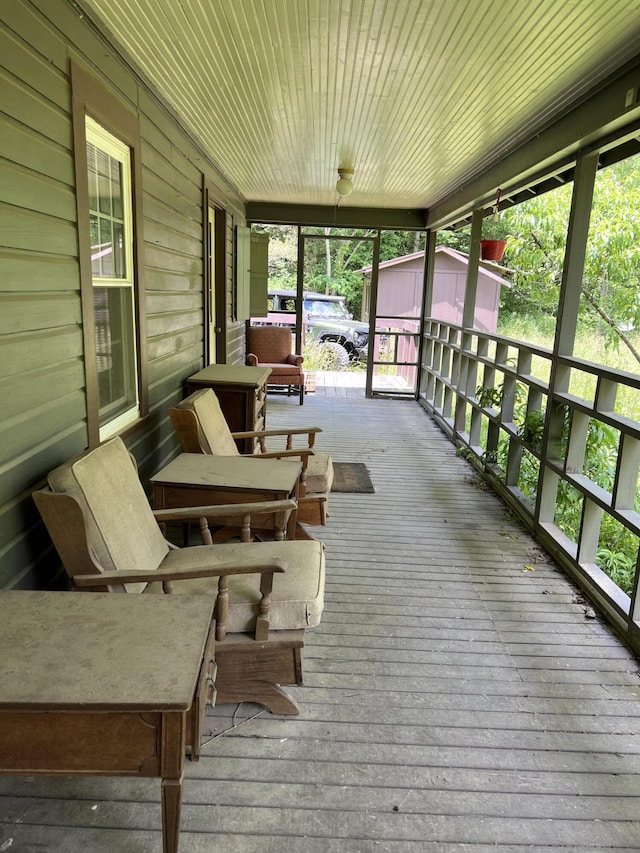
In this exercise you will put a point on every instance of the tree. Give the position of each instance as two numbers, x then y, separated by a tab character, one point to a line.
283	254
612	266
459	240
331	266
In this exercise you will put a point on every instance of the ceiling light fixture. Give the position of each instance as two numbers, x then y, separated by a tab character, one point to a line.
345	182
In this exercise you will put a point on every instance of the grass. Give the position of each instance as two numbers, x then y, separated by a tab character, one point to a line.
589	346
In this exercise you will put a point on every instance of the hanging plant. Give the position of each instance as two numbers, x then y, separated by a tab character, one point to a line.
492	247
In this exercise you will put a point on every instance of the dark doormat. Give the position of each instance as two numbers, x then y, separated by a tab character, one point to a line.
352	477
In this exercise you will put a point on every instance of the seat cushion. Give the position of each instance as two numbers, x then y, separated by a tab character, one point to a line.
297	600
282	370
319	473
121	529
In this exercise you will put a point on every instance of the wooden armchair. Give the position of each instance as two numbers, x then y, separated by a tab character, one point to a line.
270	346
268	593
201	427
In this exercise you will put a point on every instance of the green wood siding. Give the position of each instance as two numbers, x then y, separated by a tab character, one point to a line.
41	344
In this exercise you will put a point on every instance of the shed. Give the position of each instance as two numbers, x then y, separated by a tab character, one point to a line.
400	288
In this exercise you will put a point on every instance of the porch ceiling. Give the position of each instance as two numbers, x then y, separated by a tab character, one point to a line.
417	96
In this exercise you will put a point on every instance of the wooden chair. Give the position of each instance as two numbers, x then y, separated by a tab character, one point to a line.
201	427
268	593
270	346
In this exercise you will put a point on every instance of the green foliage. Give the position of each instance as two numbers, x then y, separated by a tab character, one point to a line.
331	266
535	328
318	357
617	553
611	280
495	228
528	475
489	397
619	566
460	240
532	428
535	253
602	454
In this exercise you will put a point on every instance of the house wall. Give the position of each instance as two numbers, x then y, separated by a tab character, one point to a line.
400	292
487	304
448	295
41	345
449	287
400	289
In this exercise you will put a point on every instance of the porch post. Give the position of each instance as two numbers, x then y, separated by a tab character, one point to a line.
566	324
299	292
428	271
470	293
428	274
373	313
464	374
574	257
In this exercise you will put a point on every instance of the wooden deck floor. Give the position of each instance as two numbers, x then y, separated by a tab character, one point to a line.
457	696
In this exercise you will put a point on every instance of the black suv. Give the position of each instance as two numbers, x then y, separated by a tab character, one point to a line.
324	319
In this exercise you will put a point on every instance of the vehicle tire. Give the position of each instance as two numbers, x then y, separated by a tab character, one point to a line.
333	356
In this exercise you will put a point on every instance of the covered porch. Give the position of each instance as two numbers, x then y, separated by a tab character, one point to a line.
460	693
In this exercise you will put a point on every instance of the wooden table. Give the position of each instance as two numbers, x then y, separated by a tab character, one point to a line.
95	684
197	479
242	392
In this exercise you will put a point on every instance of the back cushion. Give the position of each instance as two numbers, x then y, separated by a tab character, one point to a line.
272	344
213	430
121	528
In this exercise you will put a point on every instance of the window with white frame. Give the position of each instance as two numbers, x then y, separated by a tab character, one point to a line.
112	278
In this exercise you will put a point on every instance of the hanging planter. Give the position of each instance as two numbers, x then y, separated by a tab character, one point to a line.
492	247
492	250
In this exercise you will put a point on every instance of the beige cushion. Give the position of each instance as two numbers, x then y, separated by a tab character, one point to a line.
284	375
213	430
298	594
121	529
319	473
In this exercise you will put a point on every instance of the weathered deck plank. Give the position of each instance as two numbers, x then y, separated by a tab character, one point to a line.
456	696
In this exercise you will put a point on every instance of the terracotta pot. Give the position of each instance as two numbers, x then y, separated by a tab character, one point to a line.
492	250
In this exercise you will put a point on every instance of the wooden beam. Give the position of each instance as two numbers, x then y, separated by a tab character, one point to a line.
336	217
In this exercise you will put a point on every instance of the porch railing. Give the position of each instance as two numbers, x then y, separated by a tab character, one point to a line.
566	462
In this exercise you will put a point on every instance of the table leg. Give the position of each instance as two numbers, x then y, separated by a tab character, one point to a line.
171	811
173	746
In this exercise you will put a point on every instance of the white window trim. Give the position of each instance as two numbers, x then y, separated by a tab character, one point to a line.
114	147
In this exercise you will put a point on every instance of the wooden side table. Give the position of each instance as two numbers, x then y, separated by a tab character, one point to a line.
105	685
242	392
198	479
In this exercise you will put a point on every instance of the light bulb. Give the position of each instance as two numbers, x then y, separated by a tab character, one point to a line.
345	182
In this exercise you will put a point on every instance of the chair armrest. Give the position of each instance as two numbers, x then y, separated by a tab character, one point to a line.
301	453
205	515
295	359
222	511
252	359
266	433
166	577
263	434
132	576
